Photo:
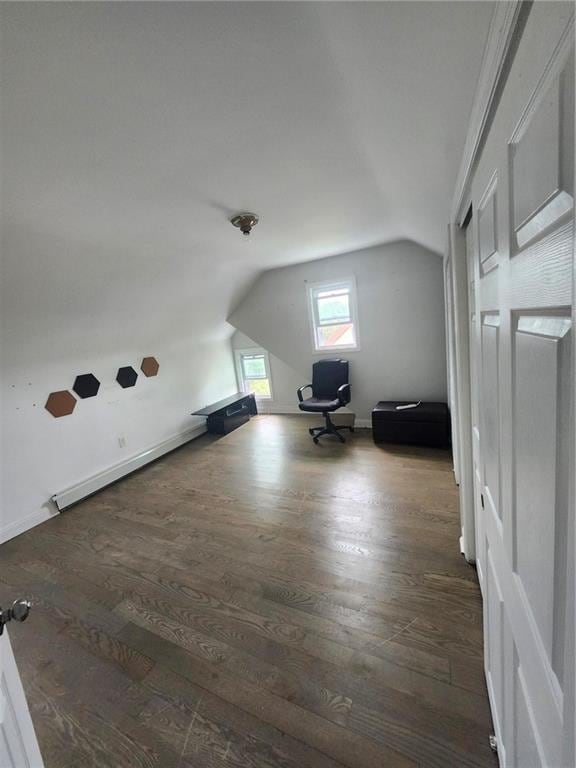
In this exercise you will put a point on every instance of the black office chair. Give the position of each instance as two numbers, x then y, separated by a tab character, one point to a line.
330	391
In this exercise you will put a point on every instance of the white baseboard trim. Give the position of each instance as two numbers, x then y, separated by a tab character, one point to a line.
30	521
272	408
70	496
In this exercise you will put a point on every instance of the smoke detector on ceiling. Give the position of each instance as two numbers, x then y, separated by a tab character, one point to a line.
244	222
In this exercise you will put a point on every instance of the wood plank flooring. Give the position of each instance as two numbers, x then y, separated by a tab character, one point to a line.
260	602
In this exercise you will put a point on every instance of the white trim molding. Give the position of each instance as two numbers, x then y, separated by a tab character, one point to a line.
75	493
503	25
458	257
24	524
266	408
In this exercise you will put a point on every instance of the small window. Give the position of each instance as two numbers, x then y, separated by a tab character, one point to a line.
253	371
333	315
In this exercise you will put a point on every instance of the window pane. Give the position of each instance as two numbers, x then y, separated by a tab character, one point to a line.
333	306
260	387
336	335
254	366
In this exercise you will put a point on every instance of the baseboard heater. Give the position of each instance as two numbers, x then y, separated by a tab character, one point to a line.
81	490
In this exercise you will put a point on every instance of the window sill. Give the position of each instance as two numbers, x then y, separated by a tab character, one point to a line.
331	350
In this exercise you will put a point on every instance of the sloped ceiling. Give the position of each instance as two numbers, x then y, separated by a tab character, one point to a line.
132	131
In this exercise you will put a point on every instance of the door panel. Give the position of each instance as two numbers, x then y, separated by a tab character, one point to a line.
487	228
526	749
541	399
522	198
494	629
491	411
540	183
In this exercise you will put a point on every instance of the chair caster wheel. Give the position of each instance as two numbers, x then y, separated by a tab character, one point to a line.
310	431
316	440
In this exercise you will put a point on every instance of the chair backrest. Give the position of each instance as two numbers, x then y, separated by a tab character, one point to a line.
327	376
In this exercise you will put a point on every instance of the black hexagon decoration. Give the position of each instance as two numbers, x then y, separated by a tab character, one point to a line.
126	376
86	385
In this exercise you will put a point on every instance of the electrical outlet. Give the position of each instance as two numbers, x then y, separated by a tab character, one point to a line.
122	441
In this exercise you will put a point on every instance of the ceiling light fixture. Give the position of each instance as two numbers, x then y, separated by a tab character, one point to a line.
244	222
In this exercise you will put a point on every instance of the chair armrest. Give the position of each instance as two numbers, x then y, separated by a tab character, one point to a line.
344	394
302	390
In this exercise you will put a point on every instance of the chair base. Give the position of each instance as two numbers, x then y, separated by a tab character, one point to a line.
329	429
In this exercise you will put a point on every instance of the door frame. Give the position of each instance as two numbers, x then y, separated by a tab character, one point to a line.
463	427
451	364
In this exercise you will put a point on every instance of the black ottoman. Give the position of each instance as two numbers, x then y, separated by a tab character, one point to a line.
426	424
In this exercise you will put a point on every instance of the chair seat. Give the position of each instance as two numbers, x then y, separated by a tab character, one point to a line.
317	405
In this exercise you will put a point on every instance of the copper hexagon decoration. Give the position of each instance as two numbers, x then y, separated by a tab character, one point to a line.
126	376
86	385
150	366
60	403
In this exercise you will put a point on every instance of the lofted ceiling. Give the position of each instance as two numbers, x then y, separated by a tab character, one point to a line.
132	131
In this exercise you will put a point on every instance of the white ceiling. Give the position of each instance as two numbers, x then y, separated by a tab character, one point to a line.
134	130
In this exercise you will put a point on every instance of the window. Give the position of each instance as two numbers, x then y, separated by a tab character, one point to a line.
334	315
253	371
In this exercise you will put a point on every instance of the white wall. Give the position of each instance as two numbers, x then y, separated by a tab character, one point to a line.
98	270
60	320
401	319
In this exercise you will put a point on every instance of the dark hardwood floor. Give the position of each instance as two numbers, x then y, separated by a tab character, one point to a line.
256	601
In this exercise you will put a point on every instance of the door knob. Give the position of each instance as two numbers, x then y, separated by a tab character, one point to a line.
19	611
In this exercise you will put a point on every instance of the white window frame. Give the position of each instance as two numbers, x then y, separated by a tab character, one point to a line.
331	285
238	354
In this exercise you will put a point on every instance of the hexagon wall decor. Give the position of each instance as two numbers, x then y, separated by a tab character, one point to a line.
86	385
150	366
126	376
60	403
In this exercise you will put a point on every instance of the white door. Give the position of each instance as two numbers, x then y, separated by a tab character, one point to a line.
18	744
522	195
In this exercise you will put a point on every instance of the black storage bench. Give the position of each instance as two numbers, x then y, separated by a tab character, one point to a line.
426	424
228	414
